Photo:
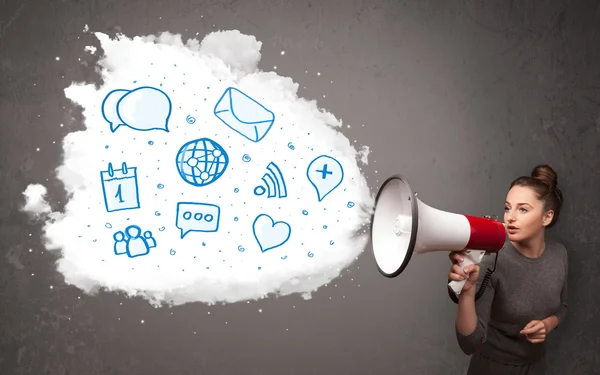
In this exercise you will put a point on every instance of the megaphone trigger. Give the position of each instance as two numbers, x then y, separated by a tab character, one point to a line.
470	257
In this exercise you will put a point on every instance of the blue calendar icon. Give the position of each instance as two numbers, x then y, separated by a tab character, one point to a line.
120	188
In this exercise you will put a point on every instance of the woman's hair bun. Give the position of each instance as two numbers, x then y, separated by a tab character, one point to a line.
545	174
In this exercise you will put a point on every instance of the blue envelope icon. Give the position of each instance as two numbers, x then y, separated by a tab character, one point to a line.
244	114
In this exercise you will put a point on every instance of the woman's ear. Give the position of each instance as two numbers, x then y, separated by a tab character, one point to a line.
547	219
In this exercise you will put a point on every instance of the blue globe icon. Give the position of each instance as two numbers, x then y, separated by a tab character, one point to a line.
201	162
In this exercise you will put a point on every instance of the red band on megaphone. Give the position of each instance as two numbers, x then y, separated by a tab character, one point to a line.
486	234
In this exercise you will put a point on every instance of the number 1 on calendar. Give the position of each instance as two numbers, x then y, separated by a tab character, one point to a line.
119	195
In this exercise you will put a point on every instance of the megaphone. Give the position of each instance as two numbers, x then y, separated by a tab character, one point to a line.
402	225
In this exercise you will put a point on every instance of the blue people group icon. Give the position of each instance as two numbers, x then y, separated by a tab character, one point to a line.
244	115
144	108
274	182
325	174
133	242
197	217
201	162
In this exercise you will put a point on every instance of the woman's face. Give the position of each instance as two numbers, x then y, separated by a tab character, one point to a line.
524	214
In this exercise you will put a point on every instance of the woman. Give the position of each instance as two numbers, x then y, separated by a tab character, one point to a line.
526	299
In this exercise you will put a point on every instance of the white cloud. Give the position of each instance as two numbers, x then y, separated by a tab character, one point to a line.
364	154
225	265
90	49
35	201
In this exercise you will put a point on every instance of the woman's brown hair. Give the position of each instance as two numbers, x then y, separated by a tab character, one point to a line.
544	181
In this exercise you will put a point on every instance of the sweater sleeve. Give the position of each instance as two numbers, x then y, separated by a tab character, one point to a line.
474	341
561	314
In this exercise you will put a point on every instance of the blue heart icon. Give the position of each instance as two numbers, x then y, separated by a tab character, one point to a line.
270	234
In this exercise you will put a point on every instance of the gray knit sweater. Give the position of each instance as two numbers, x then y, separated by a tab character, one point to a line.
521	289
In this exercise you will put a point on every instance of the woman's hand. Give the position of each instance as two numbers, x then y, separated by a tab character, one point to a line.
535	331
457	273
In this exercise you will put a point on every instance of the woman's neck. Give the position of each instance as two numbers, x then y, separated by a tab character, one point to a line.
533	247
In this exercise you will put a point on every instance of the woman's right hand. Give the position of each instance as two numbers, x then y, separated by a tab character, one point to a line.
458	273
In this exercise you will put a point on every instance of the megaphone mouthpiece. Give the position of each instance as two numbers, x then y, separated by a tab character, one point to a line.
486	234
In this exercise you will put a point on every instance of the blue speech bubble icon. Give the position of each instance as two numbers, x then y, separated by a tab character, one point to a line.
109	108
325	174
145	108
197	217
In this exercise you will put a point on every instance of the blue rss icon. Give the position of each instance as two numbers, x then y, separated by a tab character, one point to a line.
201	162
243	114
120	188
197	217
325	174
144	108
270	234
133	242
274	181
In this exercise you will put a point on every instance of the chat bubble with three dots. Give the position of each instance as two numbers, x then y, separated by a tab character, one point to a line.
197	217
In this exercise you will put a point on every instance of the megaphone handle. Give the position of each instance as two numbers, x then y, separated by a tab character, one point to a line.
470	257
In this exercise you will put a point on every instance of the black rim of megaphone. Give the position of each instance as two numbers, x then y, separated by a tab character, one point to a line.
414	227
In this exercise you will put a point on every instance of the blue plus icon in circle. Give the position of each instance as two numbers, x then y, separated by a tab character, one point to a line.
325	180
324	172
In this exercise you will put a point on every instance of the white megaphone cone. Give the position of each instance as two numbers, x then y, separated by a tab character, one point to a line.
402	225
